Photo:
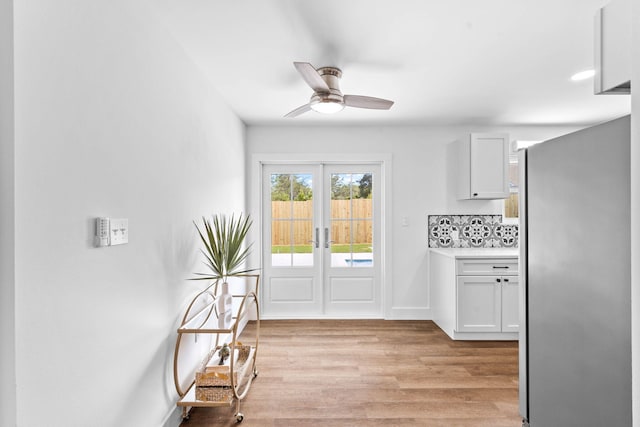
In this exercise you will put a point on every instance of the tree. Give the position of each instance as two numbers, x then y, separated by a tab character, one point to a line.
351	186
340	190
286	187
366	183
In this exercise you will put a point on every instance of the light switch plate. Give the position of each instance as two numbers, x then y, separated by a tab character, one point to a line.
119	230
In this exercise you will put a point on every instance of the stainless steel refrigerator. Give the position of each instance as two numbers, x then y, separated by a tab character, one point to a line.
575	342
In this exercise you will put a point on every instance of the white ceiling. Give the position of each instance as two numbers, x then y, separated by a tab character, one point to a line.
504	62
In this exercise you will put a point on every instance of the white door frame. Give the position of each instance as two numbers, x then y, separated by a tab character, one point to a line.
255	205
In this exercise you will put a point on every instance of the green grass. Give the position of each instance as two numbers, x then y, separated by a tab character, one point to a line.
336	249
299	249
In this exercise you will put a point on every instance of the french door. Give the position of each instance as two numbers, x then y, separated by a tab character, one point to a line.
321	237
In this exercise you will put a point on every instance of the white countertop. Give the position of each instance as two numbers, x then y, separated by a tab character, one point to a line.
477	252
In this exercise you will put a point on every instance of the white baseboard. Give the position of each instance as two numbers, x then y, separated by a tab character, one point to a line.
174	419
400	313
314	317
410	313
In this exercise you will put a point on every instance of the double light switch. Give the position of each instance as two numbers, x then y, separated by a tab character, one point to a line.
112	231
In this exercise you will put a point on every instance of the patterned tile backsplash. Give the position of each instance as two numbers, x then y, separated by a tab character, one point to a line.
471	231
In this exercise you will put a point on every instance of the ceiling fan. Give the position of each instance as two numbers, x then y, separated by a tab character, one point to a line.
327	97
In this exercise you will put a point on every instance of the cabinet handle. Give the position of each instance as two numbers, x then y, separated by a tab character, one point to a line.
506	280
475	194
498	280
503	267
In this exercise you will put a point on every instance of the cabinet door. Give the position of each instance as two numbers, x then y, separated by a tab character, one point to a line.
613	48
489	166
510	305
479	304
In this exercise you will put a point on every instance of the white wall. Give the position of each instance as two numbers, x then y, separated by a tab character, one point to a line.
635	210
421	185
111	120
7	218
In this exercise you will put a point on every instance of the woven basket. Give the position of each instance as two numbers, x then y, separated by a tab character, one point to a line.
218	375
214	394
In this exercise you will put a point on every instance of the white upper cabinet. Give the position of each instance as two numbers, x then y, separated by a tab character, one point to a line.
483	161
612	56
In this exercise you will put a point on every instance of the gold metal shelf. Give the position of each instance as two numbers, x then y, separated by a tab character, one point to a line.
201	317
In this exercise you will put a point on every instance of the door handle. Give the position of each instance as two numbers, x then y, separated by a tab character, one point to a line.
316	242
327	242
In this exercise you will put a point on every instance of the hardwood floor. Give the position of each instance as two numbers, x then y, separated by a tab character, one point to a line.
374	373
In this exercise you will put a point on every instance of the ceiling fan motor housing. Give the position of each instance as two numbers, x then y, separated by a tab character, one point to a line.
331	76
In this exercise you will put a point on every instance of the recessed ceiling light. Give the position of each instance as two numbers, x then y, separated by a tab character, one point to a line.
519	145
583	75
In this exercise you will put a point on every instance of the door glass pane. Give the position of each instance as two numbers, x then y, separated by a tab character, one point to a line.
351	220
341	195
511	204
291	220
341	245
302	246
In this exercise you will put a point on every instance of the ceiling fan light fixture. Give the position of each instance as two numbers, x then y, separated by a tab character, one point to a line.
327	106
327	103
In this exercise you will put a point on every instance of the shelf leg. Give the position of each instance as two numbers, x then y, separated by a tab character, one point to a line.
185	413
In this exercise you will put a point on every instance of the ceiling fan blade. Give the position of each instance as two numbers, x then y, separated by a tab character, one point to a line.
300	110
311	76
359	101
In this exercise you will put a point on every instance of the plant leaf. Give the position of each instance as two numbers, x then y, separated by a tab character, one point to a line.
223	239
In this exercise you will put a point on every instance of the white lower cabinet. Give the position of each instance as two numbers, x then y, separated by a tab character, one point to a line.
487	304
475	298
510	305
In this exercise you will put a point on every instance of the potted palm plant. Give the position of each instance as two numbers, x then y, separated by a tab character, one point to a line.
224	250
225	255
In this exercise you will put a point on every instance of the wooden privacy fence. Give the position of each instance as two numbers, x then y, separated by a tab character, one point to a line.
283	214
